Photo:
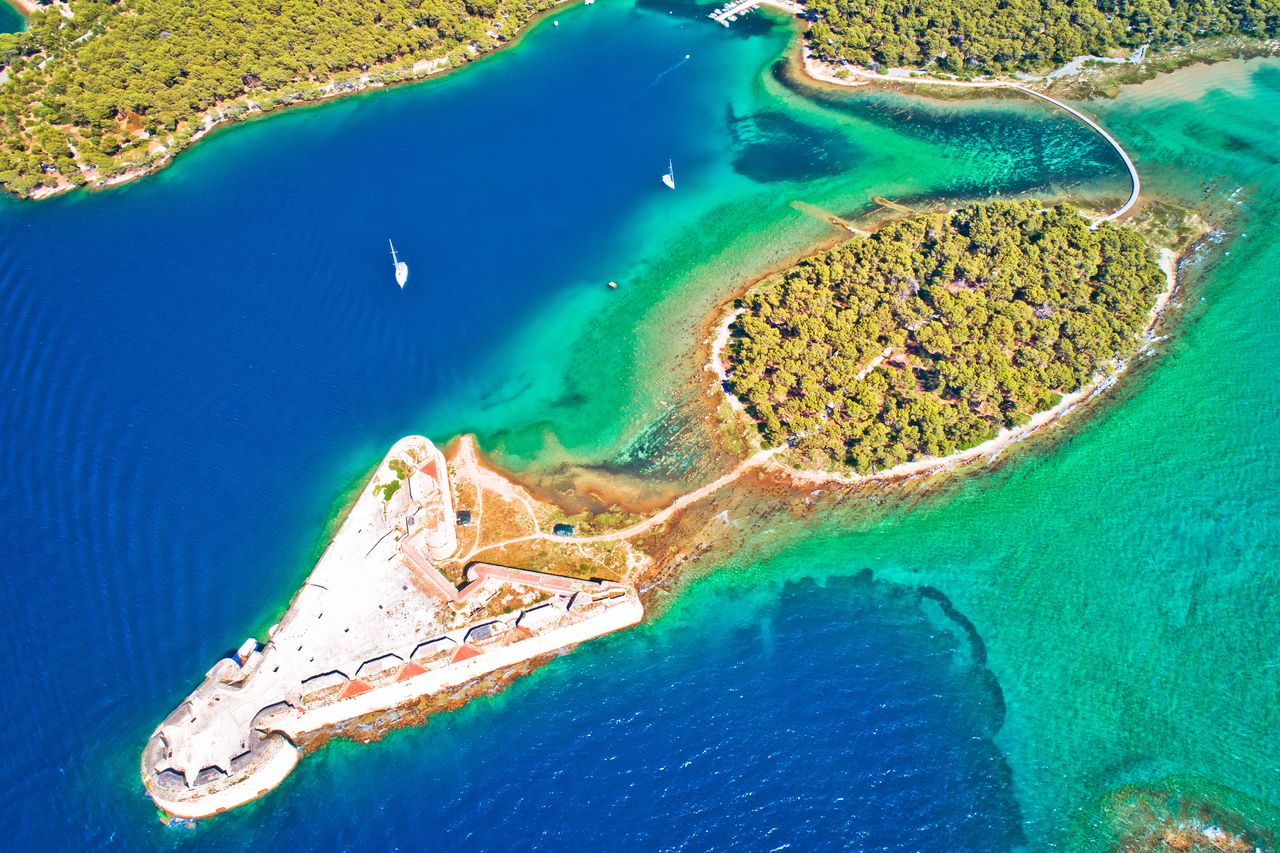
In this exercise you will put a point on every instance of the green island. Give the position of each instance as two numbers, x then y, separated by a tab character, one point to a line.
95	89
95	92
992	36
443	578
937	331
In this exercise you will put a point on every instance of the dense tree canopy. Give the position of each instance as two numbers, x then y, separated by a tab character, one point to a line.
960	36
114	80
110	84
938	330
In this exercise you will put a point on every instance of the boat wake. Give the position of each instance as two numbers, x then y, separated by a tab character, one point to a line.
658	79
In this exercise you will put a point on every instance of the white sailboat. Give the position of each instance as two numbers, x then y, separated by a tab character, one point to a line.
670	177
402	269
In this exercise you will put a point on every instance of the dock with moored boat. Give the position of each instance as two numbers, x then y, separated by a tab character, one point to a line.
730	12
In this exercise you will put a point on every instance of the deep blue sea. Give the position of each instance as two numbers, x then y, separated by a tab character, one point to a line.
197	368
850	715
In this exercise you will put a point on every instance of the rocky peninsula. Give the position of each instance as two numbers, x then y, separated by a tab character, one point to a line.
388	618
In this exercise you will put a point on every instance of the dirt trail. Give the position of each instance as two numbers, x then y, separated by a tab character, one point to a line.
468	466
755	460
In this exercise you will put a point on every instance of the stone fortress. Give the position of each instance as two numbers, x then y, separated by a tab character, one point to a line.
376	626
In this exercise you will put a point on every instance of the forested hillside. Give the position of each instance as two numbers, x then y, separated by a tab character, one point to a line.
118	82
960	36
938	330
113	85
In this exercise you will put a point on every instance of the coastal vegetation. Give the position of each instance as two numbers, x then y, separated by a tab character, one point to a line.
993	36
101	90
937	331
96	88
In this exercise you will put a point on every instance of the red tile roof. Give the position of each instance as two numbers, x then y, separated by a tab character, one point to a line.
466	651
539	580
354	688
410	670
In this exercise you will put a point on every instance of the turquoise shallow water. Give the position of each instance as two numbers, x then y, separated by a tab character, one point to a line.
188	395
10	20
1122	573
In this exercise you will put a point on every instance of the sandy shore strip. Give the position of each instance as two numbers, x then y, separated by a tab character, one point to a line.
717	363
851	75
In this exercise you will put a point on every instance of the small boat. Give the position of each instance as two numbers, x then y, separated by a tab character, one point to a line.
613	285
402	269
670	177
